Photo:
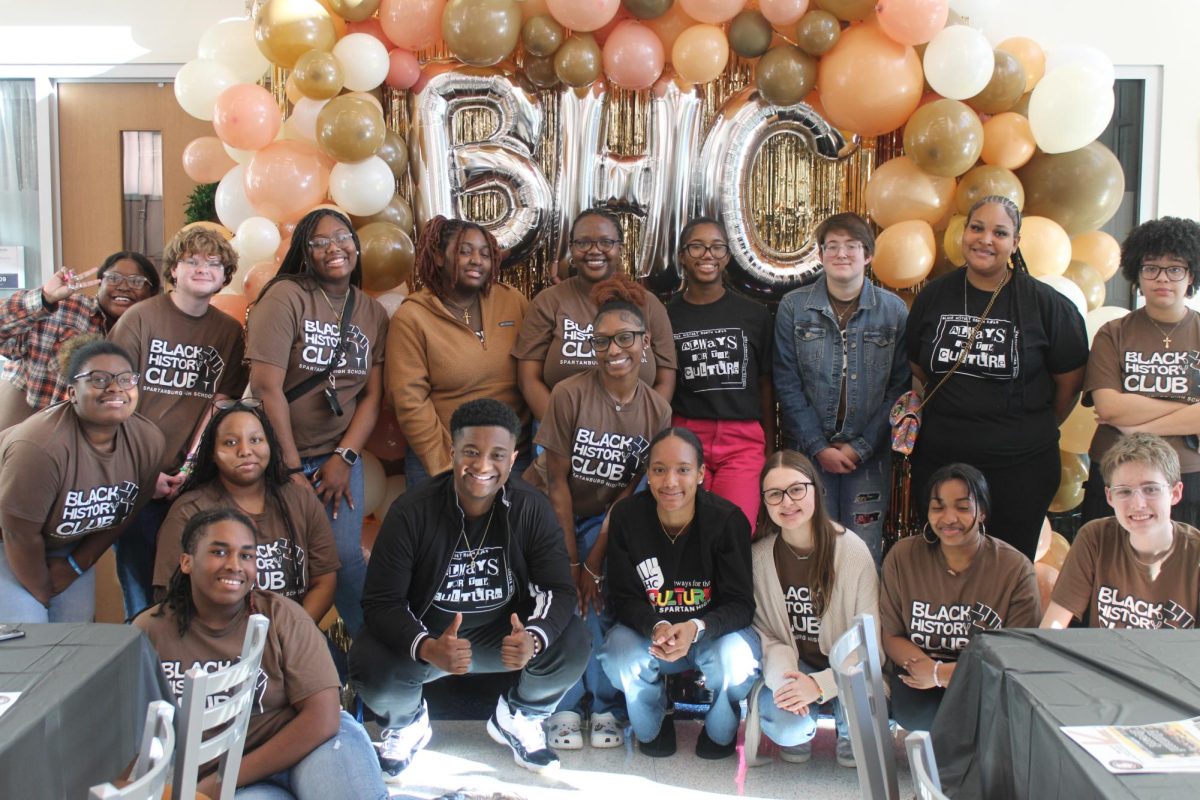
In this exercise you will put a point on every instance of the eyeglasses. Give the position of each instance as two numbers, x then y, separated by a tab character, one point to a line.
624	340
132	281
1152	271
849	248
321	243
1149	491
698	249
200	263
242	402
604	245
99	379
797	492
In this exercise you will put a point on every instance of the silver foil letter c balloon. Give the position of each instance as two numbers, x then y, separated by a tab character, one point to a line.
445	174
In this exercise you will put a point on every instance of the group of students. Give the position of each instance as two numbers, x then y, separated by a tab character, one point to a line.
645	437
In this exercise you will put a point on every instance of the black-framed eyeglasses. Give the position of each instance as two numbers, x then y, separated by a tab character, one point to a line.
698	249
604	245
101	379
797	492
132	281
241	402
624	340
322	243
1174	273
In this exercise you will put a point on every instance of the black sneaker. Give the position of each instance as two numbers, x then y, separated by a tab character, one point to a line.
663	744
399	745
707	748
524	735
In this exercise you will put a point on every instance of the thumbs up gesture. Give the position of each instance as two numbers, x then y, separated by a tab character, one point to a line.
517	648
448	652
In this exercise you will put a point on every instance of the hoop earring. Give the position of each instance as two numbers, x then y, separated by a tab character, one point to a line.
927	532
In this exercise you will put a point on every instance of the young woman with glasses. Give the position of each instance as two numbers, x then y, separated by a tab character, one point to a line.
71	478
1143	374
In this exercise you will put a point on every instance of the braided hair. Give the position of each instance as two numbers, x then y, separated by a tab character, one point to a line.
441	234
297	263
1017	260
179	597
604	213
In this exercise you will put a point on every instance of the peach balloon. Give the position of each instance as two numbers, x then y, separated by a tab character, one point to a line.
904	254
1045	246
911	21
670	25
246	116
285	179
232	304
257	277
412	24
1098	249
1031	56
869	84
899	191
712	11
633	56
783	12
1007	141
700	53
952	240
583	16
205	160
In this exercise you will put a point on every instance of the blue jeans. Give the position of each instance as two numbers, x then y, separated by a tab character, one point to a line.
605	697
77	603
729	664
135	550
787	729
859	499
347	535
345	766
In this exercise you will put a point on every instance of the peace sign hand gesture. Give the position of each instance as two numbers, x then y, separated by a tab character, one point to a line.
66	282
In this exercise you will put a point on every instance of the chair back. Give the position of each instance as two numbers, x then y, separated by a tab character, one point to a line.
150	771
232	691
858	670
924	766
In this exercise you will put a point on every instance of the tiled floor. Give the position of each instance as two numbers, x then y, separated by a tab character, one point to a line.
462	758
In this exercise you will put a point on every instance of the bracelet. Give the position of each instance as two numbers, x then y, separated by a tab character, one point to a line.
575	564
597	578
74	564
936	680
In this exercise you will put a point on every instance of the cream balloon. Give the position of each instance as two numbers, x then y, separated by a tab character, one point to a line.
198	84
374	481
959	62
230	200
256	240
364	61
1075	434
391	301
231	41
364	187
1069	108
1095	320
393	487
238	155
302	124
1046	246
1067	287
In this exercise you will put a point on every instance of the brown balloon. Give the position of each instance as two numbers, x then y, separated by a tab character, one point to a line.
1088	279
817	32
1080	190
284	30
354	10
481	32
750	34
1022	105
1004	89
387	256
397	212
944	138
785	75
540	71
577	62
350	128
986	180
850	10
394	152
647	9
318	75
542	35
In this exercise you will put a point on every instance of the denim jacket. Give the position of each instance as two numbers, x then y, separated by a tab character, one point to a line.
808	368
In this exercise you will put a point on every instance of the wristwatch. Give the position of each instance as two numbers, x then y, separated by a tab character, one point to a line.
700	627
348	455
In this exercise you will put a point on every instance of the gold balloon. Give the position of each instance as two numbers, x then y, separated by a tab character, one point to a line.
1068	496
350	129
394	152
540	71
944	138
481	32
397	212
1098	249
284	30
1005	87
898	191
1075	434
986	180
577	63
1073	467
817	32
1089	280
1056	554
750	34
1080	190
850	10
387	256
785	74
318	75
542	35
354	10
952	240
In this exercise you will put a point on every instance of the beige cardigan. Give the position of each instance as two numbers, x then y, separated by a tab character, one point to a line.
855	591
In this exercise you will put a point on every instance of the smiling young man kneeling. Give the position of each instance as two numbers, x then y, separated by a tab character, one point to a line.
470	574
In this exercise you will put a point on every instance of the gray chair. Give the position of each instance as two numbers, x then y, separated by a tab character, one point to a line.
924	766
232	691
153	764
858	670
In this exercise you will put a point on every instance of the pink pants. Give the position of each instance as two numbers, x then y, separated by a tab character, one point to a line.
733	458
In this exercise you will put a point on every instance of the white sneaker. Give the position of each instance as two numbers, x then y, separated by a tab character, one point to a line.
845	753
525	736
565	730
796	754
606	731
399	745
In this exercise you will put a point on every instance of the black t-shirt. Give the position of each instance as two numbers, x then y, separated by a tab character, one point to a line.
722	348
1000	402
478	582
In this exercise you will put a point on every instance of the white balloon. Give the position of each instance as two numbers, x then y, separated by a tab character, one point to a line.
959	62
1081	55
199	82
257	240
374	481
1069	108
391	300
1067	287
231	41
1095	320
393	487
979	13
364	61
302	124
240	156
232	206
362	188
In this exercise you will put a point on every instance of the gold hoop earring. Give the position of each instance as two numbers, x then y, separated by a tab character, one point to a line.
927	532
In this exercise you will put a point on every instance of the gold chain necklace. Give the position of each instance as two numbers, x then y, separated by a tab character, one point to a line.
681	532
792	550
337	313
1166	340
841	315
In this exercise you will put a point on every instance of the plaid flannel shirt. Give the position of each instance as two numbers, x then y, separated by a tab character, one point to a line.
30	336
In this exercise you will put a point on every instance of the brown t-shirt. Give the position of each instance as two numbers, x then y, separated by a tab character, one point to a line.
922	600
50	475
295	329
607	447
295	662
184	361
284	565
795	579
1102	576
557	330
1128	356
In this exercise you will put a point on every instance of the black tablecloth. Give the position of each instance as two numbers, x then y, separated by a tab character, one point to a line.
996	734
84	691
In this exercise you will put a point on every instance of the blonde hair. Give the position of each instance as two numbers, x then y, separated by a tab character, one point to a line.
1141	448
200	241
